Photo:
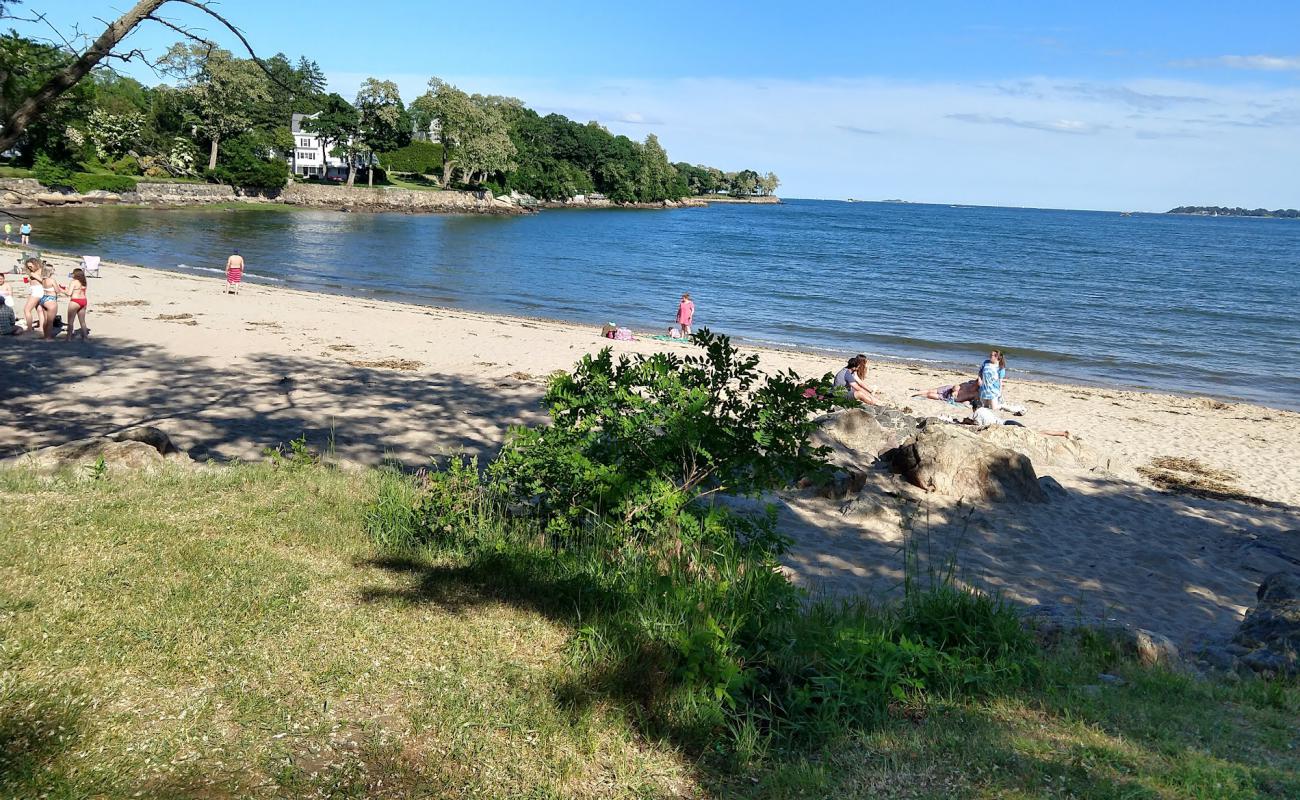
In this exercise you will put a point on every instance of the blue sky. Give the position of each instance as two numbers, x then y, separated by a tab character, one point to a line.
1136	105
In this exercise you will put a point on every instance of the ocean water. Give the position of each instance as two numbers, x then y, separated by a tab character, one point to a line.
1184	304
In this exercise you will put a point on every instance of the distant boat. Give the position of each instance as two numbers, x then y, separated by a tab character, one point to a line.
1126	213
850	200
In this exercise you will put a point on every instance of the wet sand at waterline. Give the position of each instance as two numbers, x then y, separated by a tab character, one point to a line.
227	376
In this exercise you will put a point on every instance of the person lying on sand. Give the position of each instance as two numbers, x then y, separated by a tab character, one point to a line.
956	393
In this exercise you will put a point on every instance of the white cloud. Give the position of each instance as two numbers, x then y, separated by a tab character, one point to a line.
1140	144
1258	62
1073	126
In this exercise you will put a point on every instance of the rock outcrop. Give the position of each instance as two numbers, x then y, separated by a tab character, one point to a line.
1268	640
950	460
144	448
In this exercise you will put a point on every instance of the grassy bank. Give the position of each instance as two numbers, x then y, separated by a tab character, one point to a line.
235	633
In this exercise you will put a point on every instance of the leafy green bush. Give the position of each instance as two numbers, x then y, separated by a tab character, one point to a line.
85	182
51	173
638	439
126	165
417	158
242	162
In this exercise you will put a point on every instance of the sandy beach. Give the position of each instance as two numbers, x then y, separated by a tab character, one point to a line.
227	376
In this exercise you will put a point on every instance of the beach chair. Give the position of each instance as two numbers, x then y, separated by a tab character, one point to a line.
90	266
22	259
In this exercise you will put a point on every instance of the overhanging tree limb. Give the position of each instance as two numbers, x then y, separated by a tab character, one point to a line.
63	80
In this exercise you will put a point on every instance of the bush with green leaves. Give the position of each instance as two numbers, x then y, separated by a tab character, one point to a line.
244	162
85	182
636	440
52	173
417	158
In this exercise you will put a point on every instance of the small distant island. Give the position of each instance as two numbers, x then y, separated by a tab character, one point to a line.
1223	211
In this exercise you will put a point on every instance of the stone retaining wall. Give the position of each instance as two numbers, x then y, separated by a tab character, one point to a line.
387	198
27	192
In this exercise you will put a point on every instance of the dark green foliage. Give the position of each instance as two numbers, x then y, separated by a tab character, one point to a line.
606	517
243	163
418	158
51	173
85	182
640	438
559	158
126	165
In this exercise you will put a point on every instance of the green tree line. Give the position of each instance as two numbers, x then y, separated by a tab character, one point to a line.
226	119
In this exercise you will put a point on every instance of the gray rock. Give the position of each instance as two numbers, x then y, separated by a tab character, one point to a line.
1219	658
952	461
1270	661
1279	586
143	448
1112	680
1150	649
858	436
149	435
1271	630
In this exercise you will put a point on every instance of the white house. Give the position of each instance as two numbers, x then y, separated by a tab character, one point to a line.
308	158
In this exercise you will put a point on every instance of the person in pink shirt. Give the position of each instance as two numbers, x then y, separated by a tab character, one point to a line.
685	313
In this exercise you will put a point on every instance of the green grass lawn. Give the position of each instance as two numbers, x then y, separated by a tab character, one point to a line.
232	633
16	172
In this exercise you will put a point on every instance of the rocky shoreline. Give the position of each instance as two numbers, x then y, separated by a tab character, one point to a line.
28	193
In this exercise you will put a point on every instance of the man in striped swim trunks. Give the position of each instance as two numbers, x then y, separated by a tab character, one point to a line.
234	272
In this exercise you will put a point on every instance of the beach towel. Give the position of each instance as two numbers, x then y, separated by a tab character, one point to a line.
234	274
623	334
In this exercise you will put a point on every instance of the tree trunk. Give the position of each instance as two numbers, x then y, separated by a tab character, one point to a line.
446	178
212	154
352	172
324	160
370	175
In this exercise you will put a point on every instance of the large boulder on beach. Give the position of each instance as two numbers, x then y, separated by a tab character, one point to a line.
1270	633
858	436
957	462
144	448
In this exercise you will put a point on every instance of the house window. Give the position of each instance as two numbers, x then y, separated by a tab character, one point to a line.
309	155
304	142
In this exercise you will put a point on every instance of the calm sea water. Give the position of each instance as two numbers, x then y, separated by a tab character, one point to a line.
1191	304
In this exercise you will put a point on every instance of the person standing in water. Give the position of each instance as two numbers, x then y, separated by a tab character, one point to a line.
685	314
25	231
234	272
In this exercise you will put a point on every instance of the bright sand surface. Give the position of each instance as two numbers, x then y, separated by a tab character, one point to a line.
227	376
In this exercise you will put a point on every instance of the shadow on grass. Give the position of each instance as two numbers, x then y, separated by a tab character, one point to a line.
37	726
1159	733
641	677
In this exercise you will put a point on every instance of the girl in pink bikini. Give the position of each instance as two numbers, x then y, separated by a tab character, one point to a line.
77	303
